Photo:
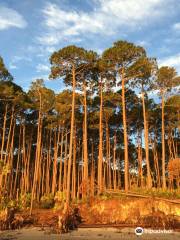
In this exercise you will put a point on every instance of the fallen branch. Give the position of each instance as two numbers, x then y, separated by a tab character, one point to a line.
133	194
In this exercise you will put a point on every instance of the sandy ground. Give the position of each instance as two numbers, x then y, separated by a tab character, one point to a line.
85	234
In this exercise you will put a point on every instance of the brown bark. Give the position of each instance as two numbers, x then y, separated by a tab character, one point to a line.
114	165
100	160
74	168
126	160
71	139
146	136
163	146
65	164
139	150
61	160
92	182
38	155
85	139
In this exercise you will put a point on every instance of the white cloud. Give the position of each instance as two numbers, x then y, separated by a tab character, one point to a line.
50	49
143	43
107	17
16	60
176	26
42	68
172	61
43	76
132	11
11	18
12	66
48	39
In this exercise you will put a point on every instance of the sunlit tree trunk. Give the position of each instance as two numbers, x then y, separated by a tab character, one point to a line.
85	139
163	146
74	168
156	163
56	149
11	159
9	135
71	139
146	137
109	164
38	155
92	182
65	164
28	163
3	142
18	161
100	160
139	153
114	165
48	162
61	160
126	160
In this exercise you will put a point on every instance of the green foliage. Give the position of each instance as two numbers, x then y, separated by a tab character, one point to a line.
167	78
138	69
60	196
68	58
6	169
38	93
4	73
105	196
24	200
12	92
5	202
170	194
59	199
124	54
173	102
22	203
47	201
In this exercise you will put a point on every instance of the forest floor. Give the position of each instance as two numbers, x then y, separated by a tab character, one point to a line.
85	234
104	218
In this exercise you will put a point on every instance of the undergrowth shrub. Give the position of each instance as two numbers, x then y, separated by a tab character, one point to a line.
59	199
47	201
24	201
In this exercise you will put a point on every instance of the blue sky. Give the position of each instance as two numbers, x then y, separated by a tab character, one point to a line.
30	30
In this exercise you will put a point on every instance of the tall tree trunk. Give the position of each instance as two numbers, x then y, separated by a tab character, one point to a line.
65	164
71	139
48	161
9	135
18	161
2	143
109	163
74	168
28	162
126	160
3	135
114	164
139	151
38	155
156	164
92	182
61	160
11	159
107	155
100	160
146	136
163	146
85	180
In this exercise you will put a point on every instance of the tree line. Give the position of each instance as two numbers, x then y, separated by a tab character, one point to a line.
114	126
